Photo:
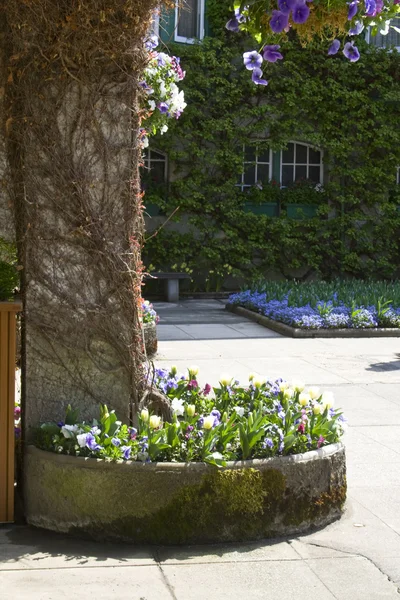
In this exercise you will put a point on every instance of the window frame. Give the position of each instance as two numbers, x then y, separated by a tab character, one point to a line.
200	24
397	175
147	161
246	186
369	37
155	23
307	164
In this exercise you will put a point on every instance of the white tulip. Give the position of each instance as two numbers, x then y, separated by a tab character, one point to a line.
314	393
298	386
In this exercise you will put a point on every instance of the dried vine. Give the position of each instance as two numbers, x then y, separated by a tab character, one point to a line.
72	128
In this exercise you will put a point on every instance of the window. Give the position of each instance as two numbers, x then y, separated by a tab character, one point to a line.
155	23
301	162
398	175
256	167
189	21
386	41
155	165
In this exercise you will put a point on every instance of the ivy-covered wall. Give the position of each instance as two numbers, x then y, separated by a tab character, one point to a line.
350	110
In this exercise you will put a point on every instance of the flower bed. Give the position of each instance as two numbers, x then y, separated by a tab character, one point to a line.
281	467
227	423
337	305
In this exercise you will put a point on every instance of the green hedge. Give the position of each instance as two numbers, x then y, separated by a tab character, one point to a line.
8	272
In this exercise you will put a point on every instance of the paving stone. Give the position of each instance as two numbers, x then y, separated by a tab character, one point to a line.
353	578
258	581
223	553
115	583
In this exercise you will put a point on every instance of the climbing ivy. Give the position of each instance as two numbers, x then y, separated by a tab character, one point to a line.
349	110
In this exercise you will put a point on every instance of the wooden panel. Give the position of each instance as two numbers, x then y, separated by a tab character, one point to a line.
7	398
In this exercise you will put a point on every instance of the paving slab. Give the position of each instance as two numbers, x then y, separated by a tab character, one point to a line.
274	550
112	583
353	578
259	580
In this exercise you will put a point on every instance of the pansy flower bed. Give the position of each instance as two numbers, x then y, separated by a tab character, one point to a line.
261	419
321	305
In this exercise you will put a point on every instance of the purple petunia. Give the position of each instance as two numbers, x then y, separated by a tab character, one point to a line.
151	42
334	48
163	107
272	54
285	6
234	22
351	52
116	442
370	7
279	21
256	77
352	9
252	60
300	13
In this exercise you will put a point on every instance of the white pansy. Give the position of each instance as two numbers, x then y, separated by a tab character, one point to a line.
239	410
304	398
177	406
328	400
298	386
164	129
69	431
81	439
314	392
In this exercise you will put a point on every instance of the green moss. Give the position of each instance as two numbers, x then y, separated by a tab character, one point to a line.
226	505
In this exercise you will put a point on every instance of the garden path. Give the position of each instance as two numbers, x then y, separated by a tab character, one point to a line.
356	558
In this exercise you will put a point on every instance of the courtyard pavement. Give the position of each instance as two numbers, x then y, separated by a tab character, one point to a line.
355	558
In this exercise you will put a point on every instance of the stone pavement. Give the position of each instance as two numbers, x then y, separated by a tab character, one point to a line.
356	558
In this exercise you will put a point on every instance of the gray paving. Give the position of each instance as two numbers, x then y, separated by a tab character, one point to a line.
355	558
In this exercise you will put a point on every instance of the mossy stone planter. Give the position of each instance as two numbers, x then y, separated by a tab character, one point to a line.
173	503
150	338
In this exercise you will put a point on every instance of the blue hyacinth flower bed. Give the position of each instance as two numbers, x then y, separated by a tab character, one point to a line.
323	305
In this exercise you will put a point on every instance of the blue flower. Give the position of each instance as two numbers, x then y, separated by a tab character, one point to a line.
300	13
116	442
91	443
271	53
357	29
279	21
126	452
285	6
352	9
252	60
334	48
256	77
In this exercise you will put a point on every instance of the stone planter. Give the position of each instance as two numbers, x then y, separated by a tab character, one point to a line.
173	503
150	338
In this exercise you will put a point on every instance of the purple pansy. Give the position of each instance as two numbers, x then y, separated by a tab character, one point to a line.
279	21
351	52
91	443
357	29
285	6
370	7
116	442
252	60
233	24
126	452
256	77
163	107
334	47
207	389
151	42
352	9
300	13
217	416
272	54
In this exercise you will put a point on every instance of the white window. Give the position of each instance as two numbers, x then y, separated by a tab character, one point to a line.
189	21
301	162
257	166
156	165
155	23
386	41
